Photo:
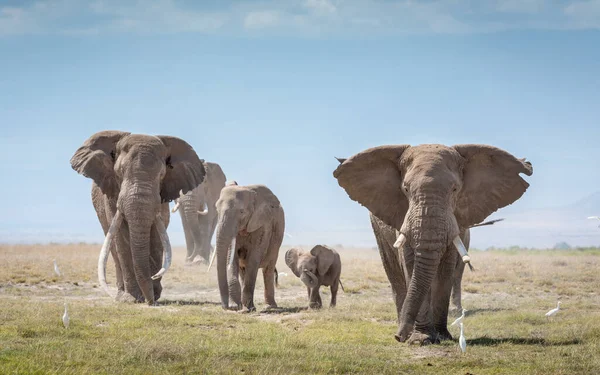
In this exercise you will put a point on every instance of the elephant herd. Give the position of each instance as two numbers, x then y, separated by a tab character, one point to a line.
422	200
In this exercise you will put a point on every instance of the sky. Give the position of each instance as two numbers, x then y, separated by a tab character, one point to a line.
273	90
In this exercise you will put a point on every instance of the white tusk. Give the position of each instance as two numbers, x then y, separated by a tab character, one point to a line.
233	252
204	210
103	258
212	259
164	238
176	207
462	250
401	239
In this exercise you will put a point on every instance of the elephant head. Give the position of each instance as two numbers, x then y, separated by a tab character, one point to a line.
141	172
240	211
431	193
310	266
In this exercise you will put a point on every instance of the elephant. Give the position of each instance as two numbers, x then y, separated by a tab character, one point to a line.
321	266
199	214
422	200
135	176
251	221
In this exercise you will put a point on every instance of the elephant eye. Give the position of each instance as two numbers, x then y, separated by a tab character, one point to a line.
113	155
168	162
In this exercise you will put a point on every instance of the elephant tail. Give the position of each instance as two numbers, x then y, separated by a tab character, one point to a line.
342	285
276	278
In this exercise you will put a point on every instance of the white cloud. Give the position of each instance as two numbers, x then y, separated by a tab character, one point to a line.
302	17
584	14
262	19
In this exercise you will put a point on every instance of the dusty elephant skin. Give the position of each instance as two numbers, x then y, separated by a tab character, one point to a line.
422	201
199	225
250	221
321	266
135	176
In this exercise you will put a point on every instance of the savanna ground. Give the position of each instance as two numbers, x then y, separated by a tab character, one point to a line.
505	327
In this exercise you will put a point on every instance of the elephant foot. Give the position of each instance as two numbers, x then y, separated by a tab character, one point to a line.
420	338
125	297
444	334
314	305
247	310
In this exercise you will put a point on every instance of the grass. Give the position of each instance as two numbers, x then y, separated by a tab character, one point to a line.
505	327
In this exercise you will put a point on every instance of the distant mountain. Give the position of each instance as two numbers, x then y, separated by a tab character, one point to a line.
545	227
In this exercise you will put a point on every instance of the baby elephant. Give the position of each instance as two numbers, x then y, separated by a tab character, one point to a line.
320	266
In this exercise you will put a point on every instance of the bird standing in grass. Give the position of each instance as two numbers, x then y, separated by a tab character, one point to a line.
56	270
65	317
460	318
553	311
462	342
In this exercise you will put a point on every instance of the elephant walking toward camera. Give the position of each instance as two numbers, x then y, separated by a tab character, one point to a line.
321	266
198	213
251	222
135	176
422	201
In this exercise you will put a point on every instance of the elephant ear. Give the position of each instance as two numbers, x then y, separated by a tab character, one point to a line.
325	258
261	214
373	179
491	180
185	171
95	159
291	259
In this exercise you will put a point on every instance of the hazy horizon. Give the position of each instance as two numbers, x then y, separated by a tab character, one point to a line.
272	91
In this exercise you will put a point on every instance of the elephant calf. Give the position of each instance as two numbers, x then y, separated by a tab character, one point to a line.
320	266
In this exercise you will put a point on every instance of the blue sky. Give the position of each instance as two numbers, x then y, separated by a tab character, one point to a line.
272	90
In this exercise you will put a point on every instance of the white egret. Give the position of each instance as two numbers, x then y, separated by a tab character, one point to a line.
460	318
553	311
65	317
283	274
56	270
461	340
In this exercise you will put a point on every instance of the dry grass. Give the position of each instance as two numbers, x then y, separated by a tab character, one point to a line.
506	329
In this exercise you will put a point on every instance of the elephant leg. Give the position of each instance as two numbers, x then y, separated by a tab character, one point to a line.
133	293
269	280
440	292
250	275
456	295
156	255
203	248
334	290
385	237
315	298
308	292
237	273
189	237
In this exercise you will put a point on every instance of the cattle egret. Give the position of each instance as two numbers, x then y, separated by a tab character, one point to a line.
553	311
56	270
460	318
65	317
461	340
282	273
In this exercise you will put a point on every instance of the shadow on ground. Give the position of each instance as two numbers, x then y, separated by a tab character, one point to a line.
488	341
189	303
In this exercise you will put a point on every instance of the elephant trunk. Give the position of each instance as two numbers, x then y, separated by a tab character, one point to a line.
427	235
188	209
226	234
309	279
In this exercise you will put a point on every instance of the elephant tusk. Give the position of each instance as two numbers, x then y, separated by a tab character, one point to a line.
164	238
176	207
204	210
212	259
233	253
103	258
462	250
400	241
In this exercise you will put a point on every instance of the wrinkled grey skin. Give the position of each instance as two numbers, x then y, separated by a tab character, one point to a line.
137	175
199	228
253	216
321	266
430	194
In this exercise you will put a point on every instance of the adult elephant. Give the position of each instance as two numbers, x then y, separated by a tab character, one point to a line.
251	222
199	213
135	176
430	194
